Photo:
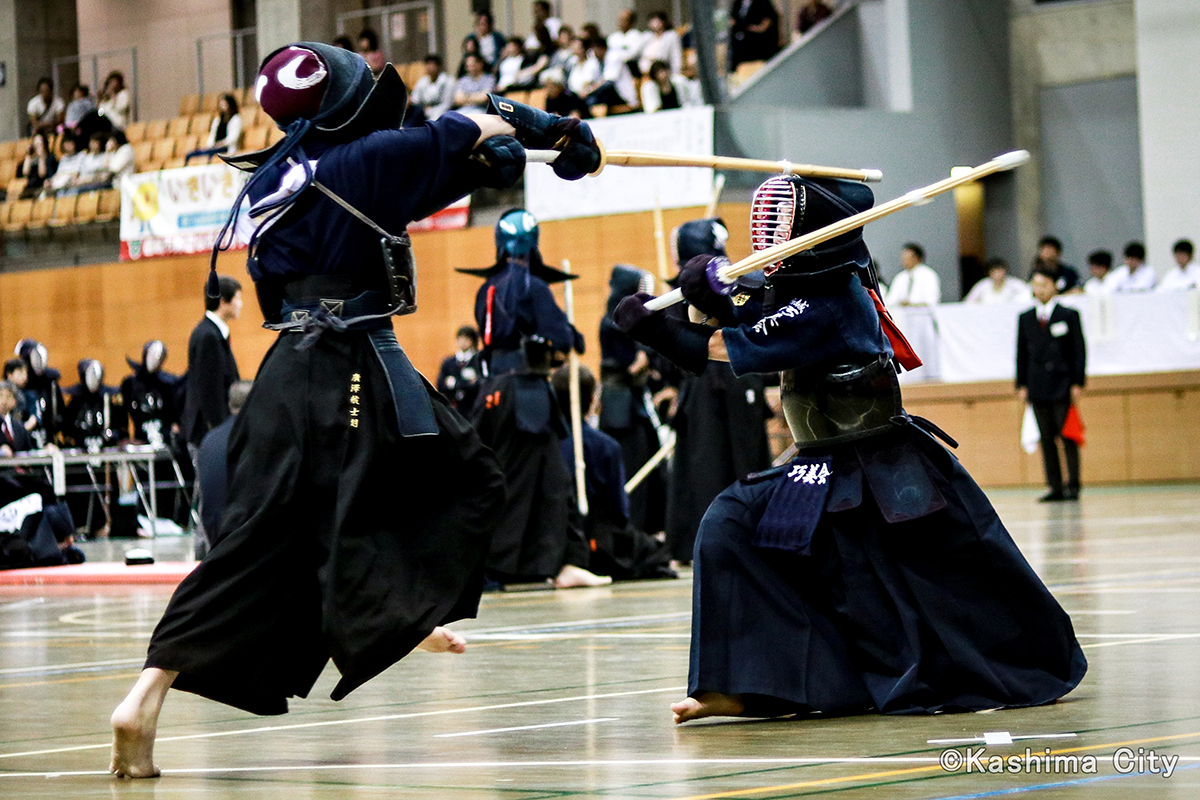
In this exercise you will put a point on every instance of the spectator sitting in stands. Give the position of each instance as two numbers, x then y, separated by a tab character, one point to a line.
1049	255
1134	275
626	42
81	103
368	48
564	55
518	69
13	436
17	373
811	13
589	31
616	87
917	284
69	166
44	109
485	41
120	156
664	91
541	17
560	100
585	71
754	31
663	45
1187	276
999	286
472	89
114	100
38	167
1100	268
93	171
344	43
225	132
434	91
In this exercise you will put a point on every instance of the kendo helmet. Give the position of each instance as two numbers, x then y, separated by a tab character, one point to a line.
698	237
517	236
34	354
91	374
154	354
625	281
788	206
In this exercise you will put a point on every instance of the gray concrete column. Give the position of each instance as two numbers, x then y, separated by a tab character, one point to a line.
281	22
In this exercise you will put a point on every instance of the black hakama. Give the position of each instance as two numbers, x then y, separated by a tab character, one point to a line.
934	610
342	538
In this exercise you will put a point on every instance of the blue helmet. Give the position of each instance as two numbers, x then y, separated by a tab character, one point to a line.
516	235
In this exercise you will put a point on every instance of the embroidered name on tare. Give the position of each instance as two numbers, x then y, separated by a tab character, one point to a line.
792	310
355	400
810	473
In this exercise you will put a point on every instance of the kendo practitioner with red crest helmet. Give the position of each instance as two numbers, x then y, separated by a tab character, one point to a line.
870	573
360	504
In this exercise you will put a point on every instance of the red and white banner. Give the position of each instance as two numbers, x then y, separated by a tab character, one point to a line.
450	218
176	211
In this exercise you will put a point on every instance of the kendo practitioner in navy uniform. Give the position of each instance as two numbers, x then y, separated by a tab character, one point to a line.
720	420
618	548
627	411
95	414
870	573
517	414
43	392
360	503
149	394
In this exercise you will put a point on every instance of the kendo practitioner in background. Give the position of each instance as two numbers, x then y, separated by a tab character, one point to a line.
460	374
93	420
360	504
618	547
149	394
517	414
720	417
515	300
627	411
870	573
1051	374
43	393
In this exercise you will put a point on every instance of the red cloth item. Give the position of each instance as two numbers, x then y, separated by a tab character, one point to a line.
487	328
907	357
1073	427
291	85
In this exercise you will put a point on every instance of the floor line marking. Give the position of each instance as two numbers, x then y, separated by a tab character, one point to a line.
353	721
46	669
22	604
1057	785
576	624
1147	640
119	676
527	727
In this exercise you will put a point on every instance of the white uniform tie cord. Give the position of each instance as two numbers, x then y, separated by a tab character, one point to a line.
731	272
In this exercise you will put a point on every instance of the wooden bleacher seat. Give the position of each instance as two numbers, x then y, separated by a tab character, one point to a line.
5	209
142	153
179	126
250	117
201	123
248	100
6	149
64	211
519	96
87	207
598	112
135	132
18	216
746	69
209	103
8	170
110	205
255	138
162	150
189	104
186	144
174	163
39	218
15	187
155	129
537	98
274	135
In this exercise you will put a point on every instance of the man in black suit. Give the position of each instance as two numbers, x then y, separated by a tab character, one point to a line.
13	436
1051	372
212	368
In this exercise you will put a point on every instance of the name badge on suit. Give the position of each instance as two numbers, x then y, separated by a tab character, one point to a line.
1058	329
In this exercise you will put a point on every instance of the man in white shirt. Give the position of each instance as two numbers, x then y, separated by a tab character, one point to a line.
1100	267
541	16
44	108
618	87
626	42
999	286
1134	276
434	91
917	284
1185	277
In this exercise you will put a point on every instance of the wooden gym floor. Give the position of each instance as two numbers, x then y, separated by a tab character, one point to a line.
565	694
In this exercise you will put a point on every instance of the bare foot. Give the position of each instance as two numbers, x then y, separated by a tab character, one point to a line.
133	742
571	577
443	640
708	704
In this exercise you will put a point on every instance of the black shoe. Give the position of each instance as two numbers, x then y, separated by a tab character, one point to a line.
1052	497
1071	494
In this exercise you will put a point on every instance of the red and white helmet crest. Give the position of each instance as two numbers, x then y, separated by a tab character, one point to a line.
292	85
777	205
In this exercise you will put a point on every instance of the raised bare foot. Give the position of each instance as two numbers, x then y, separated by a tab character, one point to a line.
133	742
443	640
571	577
708	704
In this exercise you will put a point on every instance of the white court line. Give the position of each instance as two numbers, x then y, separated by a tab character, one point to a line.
45	633
579	623
527	727
1168	637
542	637
352	721
22	604
1098	613
449	765
68	667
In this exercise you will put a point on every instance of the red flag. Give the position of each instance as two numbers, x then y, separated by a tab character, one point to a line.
907	357
1073	427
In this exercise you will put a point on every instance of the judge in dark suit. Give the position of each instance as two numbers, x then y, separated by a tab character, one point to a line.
1051	372
13	436
212	368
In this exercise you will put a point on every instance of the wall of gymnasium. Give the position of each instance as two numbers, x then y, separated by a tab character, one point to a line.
32	32
109	311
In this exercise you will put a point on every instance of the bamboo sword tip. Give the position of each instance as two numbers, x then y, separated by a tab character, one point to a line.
872	175
1012	160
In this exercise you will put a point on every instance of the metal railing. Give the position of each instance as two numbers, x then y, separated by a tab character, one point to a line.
385	16
82	58
243	43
